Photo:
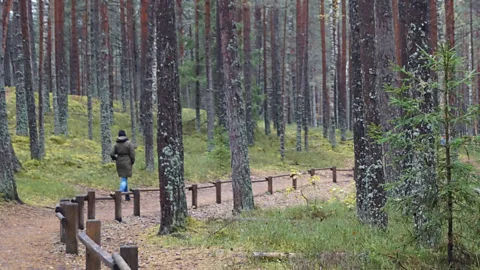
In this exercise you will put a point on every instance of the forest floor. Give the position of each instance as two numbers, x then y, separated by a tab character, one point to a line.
29	238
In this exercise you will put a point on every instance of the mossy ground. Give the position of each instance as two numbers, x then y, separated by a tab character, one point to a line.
73	164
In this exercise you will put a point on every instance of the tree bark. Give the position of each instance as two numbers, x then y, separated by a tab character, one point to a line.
247	74
197	67
333	71
74	53
219	81
61	127
275	58
374	194
147	55
102	68
299	76
266	116
241	182
306	85
325	90
208	65
131	68
173	203
342	76
41	75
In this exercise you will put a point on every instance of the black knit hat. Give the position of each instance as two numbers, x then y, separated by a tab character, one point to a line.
122	133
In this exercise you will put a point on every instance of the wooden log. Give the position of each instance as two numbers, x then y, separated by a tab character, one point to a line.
104	256
194	195
63	202
273	255
71	213
136	202
105	198
94	233
294	181
147	189
130	255
218	189
120	263
63	220
334	174
281	175
81	219
205	187
91	204
270	184
118	206
259	180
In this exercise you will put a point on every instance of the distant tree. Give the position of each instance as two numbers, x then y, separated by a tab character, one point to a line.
221	106
266	116
61	127
333	71
326	92
41	75
106	135
342	76
275	65
247	71
89	63
197	66
147	54
284	99
173	203
17	58
299	75
305	79
208	64
241	182
49	58
125	78
7	61
74	53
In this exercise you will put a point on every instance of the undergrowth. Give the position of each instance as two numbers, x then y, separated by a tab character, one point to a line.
73	164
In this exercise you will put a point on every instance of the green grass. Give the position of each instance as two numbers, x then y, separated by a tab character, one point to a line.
325	235
73	164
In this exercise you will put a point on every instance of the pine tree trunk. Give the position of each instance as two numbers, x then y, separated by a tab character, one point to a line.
241	182
342	76
219	77
197	67
173	203
326	92
259	68
385	56
8	187
266	116
148	40
33	52
124	59
74	57
210	99
48	63
7	62
274	50
89	67
102	68
433	42
374	195
111	82
421	187
284	104
128	61
306	87
17	57
61	127
41	75
247	68
333	71
299	76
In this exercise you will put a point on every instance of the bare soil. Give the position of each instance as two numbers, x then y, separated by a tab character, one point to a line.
29	236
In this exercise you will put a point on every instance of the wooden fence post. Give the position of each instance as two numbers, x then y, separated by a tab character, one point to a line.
118	206
91	204
136	202
94	232
194	195
63	202
130	255
218	189
312	172
270	184
334	172
71	211
81	220
294	181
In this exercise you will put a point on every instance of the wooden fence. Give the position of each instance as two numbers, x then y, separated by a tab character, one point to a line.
70	213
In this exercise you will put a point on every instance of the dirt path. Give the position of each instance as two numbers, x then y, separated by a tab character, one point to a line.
29	235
